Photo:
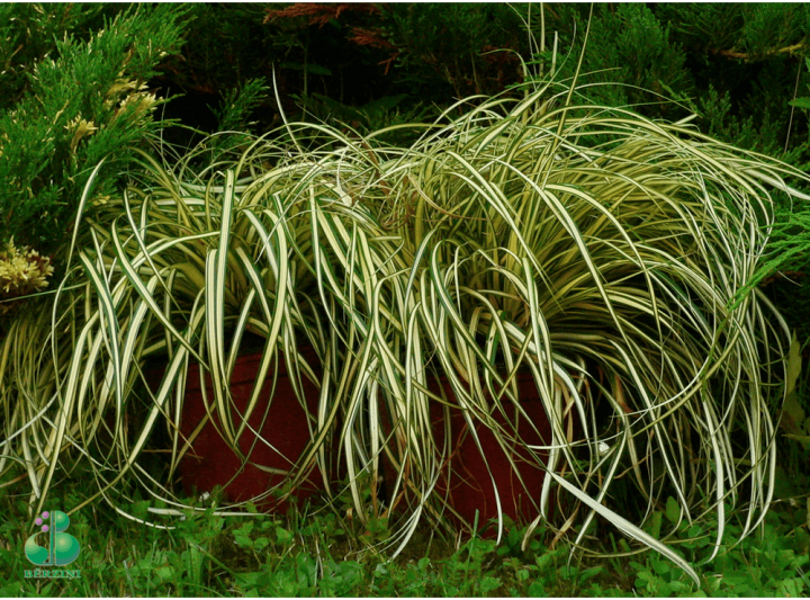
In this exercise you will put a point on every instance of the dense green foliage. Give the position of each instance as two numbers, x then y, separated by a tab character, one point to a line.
84	101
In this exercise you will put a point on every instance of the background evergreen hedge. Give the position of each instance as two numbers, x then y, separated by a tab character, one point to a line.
738	66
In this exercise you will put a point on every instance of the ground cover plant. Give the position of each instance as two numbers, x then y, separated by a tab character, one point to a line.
316	552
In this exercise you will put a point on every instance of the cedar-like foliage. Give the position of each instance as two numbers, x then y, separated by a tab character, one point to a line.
80	102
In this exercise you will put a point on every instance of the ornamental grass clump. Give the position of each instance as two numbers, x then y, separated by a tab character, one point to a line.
180	269
603	253
606	253
608	268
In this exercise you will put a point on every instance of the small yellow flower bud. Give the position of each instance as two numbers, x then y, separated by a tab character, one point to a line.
22	272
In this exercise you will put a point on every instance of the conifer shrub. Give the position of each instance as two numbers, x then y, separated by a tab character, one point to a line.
78	102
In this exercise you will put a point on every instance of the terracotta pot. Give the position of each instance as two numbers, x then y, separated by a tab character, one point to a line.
466	481
212	462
